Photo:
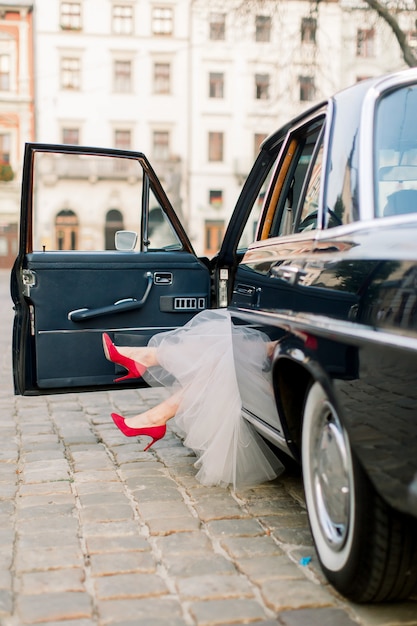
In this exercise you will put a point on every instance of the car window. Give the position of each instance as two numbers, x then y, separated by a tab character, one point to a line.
70	191
287	190
396	153
251	226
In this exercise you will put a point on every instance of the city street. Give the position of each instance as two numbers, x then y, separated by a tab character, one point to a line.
94	531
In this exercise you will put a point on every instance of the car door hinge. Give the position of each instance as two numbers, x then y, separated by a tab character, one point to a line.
28	281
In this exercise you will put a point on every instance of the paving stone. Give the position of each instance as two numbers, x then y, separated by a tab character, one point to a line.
211	586
6	601
150	510
6	581
86	461
239	547
144	468
8	490
50	487
209	510
295	596
296	519
274	506
234	611
96	476
110	528
106	488
133	585
47	511
294	536
106	513
190	565
156	480
122	562
267	567
76	622
235	527
53	606
45	538
140	612
41	500
167	526
7	508
38	471
62	524
315	617
161	494
53	581
48	558
92	499
124	543
184	543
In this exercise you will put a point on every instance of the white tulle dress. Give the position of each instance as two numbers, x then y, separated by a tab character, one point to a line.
207	360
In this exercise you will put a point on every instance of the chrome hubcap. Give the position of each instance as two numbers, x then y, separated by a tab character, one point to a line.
331	477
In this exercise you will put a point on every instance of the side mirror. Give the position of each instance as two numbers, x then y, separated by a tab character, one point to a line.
125	240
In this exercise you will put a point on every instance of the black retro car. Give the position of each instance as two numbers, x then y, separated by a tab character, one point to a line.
320	254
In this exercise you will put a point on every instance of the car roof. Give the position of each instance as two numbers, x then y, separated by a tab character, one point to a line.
355	92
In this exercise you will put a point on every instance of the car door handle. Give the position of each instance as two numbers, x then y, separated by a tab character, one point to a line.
121	306
290	273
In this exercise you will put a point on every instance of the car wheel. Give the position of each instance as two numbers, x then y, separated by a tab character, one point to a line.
366	549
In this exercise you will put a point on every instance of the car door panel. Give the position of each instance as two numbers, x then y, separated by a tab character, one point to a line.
68	349
65	299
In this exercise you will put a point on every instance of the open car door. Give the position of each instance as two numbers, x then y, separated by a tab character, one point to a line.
70	284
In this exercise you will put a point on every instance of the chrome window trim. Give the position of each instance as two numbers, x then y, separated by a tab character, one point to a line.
367	138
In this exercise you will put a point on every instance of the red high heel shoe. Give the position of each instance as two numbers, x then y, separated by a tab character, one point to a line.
112	354
156	432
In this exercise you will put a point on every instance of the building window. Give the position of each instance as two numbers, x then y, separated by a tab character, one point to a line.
217	26
122	19
4	72
365	42
308	29
122	139
66	230
257	141
213	236
216	85
307	88
5	145
162	78
114	222
215	148
216	198
262	28
162	21
71	16
71	136
160	142
70	73
122	76
262	86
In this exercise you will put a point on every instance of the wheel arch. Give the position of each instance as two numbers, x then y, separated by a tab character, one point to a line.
292	380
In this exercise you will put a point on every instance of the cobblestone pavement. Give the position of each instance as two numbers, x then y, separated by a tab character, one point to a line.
94	531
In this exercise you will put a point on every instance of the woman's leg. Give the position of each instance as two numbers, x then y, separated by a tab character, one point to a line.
157	415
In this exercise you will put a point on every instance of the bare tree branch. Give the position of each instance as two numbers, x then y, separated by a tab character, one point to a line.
408	54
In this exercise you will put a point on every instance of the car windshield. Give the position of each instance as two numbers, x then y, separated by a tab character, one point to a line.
396	153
